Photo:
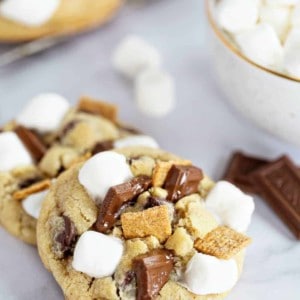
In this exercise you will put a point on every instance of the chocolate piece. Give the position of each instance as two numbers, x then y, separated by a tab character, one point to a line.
129	276
66	238
103	146
279	184
28	182
116	197
67	128
96	107
32	142
153	201
152	272
182	181
239	169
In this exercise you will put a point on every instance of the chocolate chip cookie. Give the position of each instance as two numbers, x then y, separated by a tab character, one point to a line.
134	223
42	142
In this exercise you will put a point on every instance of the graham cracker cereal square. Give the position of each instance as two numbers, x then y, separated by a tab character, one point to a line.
223	242
162	168
153	221
35	188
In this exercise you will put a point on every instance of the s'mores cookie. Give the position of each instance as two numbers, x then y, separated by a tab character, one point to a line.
141	223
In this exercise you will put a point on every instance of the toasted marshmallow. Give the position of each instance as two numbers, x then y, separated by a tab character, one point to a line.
97	254
12	152
29	12
233	208
44	112
207	275
261	45
155	93
282	2
278	17
136	140
33	203
134	55
291	60
103	171
236	15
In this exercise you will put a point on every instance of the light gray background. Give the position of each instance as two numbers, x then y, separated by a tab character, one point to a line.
203	127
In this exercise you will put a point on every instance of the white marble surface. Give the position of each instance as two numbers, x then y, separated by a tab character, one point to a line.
203	127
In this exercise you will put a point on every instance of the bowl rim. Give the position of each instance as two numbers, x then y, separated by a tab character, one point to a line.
218	32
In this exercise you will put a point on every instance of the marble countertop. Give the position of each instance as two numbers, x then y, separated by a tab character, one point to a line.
203	127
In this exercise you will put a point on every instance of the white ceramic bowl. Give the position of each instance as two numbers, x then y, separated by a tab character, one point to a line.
269	99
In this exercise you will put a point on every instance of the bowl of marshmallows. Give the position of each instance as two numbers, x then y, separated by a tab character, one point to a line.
256	55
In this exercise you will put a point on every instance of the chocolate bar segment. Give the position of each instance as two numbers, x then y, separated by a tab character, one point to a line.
152	272
239	169
182	181
67	236
32	142
118	196
279	184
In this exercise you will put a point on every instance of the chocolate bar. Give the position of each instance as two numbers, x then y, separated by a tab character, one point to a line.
279	183
239	169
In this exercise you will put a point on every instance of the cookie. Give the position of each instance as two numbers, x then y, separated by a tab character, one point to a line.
71	17
106	232
33	156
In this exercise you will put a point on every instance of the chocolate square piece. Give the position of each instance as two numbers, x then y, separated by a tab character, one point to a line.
152	272
279	184
118	196
32	142
182	181
239	169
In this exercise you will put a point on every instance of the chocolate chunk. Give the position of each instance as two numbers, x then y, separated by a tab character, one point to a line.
152	272
129	276
67	128
239	169
32	142
66	238
153	201
279	184
28	182
103	146
118	196
182	181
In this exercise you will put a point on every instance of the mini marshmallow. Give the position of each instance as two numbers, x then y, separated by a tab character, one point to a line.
33	204
136	140
12	152
44	112
231	205
155	92
103	171
236	15
278	17
282	2
134	55
97	254
29	12
291	60
261	45
207	275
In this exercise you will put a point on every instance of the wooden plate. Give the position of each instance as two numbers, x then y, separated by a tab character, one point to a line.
73	16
